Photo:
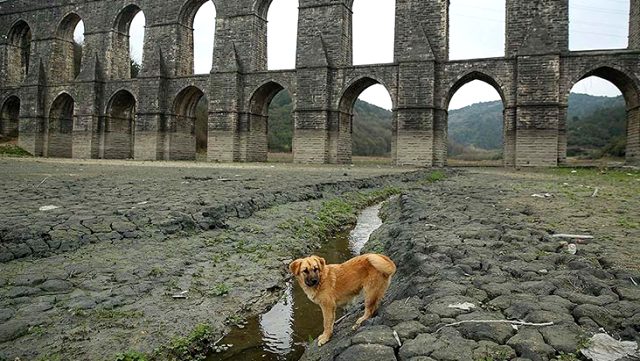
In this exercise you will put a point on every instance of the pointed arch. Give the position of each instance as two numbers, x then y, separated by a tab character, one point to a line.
507	127
60	127
256	138
118	130
189	37
121	61
629	86
181	128
67	54
18	52
10	118
341	126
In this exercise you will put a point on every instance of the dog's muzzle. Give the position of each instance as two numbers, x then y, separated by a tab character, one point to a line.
311	282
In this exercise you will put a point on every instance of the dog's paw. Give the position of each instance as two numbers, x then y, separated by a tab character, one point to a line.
322	339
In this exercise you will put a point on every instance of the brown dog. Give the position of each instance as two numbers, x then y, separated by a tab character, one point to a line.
334	285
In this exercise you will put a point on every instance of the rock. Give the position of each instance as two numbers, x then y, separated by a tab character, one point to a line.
487	350
496	332
529	343
122	227
409	329
541	288
29	280
18	250
367	353
39	247
497	289
541	316
382	335
628	293
563	338
12	330
452	347
604	317
57	286
81	303
441	306
399	311
21	291
6	313
422	345
581	298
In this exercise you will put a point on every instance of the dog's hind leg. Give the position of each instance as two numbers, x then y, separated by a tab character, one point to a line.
373	293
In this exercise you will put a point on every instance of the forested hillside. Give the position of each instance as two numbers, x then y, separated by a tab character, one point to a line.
596	125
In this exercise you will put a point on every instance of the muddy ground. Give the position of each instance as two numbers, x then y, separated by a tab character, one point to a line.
480	237
97	276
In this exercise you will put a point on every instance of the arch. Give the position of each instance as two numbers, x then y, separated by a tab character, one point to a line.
626	82
341	124
470	76
372	40
282	34
60	127
118	131
186	40
121	61
67	54
181	128
10	118
508	132
18	52
257	132
630	89
261	7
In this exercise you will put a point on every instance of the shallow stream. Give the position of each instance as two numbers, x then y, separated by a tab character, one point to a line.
282	333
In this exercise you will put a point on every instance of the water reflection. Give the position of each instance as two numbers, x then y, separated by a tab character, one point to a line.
368	221
282	333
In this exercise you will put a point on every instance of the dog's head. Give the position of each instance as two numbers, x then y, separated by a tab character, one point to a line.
308	270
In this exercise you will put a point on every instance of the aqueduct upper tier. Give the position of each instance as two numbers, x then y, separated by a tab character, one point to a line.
96	110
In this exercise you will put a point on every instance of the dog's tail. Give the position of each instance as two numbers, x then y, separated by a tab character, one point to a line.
382	263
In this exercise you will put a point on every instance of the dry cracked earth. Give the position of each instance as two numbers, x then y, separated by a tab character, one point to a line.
97	276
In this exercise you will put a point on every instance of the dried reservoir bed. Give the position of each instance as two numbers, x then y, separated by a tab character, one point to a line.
97	276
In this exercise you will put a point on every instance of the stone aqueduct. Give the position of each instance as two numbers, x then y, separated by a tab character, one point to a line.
104	113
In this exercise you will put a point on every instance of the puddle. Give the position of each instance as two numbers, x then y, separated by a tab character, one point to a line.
283	332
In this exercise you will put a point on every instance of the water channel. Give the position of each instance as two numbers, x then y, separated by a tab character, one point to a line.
282	333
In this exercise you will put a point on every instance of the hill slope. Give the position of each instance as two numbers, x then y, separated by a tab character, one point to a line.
595	125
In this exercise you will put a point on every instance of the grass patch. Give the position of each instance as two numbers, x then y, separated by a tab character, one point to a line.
131	356
116	315
192	347
434	176
335	214
11	150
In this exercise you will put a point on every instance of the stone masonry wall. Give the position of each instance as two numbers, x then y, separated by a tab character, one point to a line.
533	78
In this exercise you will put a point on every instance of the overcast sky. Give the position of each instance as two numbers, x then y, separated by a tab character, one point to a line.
476	31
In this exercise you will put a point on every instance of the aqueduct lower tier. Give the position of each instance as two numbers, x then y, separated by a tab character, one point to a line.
104	113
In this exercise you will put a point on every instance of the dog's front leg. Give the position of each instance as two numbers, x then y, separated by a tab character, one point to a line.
329	316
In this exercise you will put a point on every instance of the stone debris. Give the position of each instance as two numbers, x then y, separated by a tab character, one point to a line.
466	306
603	347
48	208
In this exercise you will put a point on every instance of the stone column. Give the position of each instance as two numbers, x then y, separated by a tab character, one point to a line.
509	136
633	136
634	25
225	103
32	112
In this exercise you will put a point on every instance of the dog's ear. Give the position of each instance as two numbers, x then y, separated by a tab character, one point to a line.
322	261
294	267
